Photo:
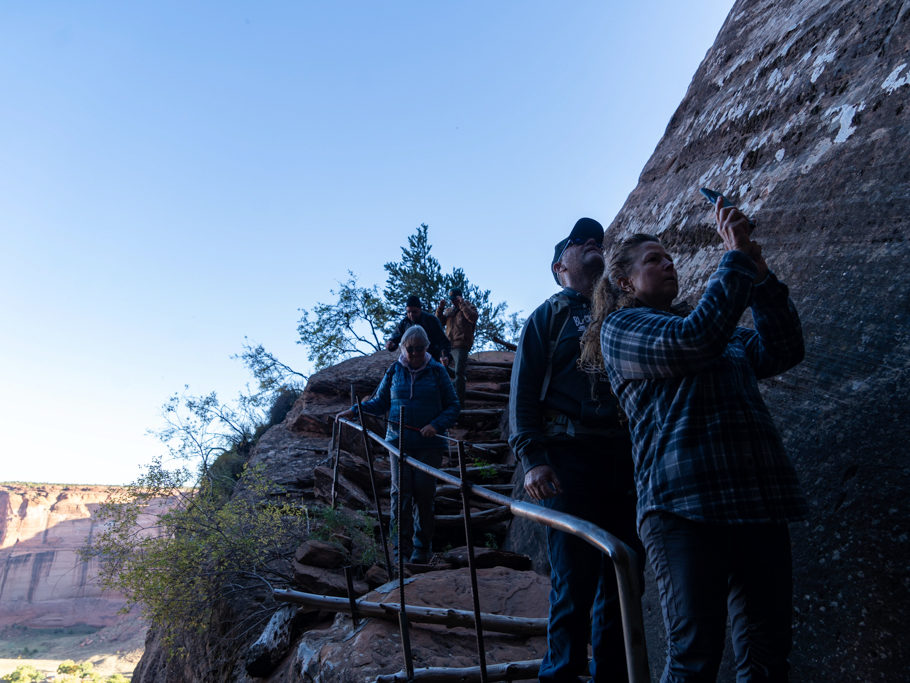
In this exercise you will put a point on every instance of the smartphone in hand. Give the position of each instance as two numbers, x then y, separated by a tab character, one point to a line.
712	197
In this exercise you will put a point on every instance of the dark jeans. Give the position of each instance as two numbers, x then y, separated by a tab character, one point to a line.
703	570
459	365
596	478
417	490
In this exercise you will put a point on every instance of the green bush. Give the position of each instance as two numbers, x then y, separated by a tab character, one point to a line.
24	673
68	666
225	471
486	470
281	406
200	551
77	671
330	524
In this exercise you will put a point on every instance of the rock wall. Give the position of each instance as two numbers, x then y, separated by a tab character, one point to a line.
799	112
43	582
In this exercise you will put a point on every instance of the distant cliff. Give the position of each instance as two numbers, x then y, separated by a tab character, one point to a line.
43	581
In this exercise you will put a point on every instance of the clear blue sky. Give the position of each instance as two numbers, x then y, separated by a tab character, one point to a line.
177	176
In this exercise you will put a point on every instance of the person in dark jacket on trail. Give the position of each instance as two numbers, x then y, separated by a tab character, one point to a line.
459	317
420	386
715	486
565	429
414	315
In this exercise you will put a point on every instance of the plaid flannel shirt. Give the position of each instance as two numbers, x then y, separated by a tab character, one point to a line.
704	444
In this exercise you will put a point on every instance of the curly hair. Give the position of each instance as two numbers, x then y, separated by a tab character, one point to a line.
608	297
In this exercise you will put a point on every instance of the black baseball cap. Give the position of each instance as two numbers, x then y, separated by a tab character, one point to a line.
585	229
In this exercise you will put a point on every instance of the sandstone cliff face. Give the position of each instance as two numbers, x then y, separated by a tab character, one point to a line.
43	582
800	112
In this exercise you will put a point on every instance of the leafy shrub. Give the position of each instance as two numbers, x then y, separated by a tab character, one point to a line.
198	553
330	524
487	471
24	673
68	666
281	406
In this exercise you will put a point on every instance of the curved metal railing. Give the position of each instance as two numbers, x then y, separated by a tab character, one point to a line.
624	558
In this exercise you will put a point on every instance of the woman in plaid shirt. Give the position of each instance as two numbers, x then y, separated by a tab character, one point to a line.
715	487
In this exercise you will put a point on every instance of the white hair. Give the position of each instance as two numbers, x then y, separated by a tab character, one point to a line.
417	333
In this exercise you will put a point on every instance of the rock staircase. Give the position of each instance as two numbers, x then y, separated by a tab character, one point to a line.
489	461
297	453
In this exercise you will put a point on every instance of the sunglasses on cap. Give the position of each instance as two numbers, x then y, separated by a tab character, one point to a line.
575	241
415	349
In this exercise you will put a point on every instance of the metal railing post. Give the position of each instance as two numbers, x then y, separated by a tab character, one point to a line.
623	557
402	615
472	568
352	599
369	454
336	449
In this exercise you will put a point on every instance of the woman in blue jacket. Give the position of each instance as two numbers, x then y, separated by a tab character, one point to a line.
420	386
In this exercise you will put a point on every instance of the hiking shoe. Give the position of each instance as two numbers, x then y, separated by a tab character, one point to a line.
420	557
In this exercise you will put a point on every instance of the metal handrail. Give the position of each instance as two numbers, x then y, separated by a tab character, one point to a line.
623	557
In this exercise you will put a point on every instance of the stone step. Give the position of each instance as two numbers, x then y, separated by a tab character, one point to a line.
484	475
489	364
481	412
487	373
491	386
486	396
488	450
449	491
485	518
475	420
451	505
479	445
492	445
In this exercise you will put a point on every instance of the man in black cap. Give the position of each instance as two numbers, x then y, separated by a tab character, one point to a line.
414	315
565	429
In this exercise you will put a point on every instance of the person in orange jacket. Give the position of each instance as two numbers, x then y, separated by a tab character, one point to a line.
459	317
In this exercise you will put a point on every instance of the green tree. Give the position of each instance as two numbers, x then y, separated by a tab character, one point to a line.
353	325
357	322
273	375
417	273
200	430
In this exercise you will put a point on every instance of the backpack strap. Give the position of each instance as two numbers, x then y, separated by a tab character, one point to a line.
559	316
388	372
441	375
